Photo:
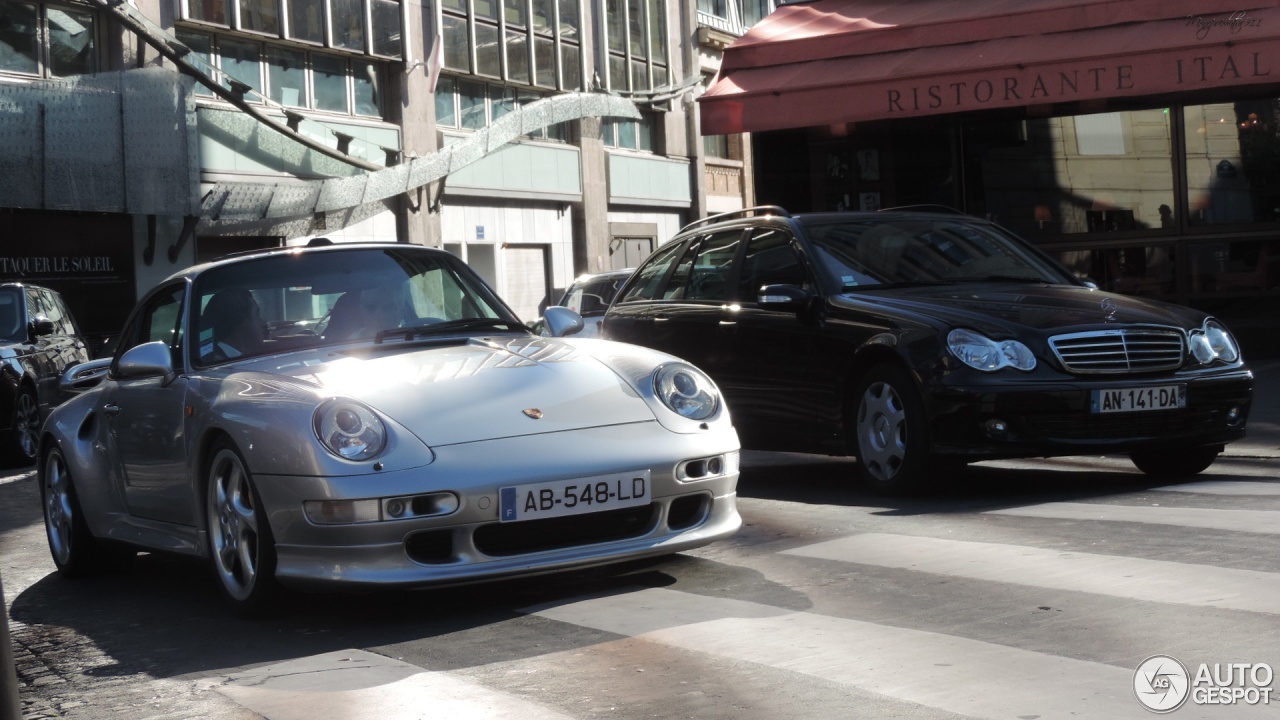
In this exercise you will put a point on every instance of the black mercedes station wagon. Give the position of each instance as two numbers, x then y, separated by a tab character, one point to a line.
919	341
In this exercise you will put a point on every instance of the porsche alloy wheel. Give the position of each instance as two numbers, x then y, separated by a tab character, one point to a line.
240	540
889	431
75	550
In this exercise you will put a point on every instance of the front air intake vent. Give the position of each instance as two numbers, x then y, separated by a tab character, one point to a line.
1133	350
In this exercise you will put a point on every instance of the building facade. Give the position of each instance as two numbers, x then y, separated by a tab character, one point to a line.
144	137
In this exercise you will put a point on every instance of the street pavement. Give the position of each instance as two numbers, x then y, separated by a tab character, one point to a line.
85	663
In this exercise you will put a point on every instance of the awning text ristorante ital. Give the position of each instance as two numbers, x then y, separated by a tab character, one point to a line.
1062	85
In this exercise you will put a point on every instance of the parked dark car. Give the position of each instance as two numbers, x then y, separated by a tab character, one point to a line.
919	341
39	339
589	296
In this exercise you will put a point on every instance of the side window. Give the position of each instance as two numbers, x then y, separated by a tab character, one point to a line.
709	279
160	320
771	260
68	320
35	308
646	283
53	311
679	282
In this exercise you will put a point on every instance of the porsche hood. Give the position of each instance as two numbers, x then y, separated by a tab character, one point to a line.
481	389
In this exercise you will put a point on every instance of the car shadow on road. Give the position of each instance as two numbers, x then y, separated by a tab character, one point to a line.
163	617
821	480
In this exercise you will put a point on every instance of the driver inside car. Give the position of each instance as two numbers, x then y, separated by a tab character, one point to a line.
365	313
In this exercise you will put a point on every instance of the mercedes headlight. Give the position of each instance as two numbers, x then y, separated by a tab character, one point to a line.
687	391
1213	342
350	430
982	353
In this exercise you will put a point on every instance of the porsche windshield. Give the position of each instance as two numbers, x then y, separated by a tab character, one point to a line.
914	251
306	299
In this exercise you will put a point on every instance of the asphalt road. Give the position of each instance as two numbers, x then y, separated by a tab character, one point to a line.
1020	590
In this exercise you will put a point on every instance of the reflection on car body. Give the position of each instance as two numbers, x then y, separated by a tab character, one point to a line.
428	439
39	339
589	296
918	341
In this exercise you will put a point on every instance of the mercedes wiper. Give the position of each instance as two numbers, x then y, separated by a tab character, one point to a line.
452	326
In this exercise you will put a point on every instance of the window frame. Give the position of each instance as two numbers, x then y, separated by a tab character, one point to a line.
43	46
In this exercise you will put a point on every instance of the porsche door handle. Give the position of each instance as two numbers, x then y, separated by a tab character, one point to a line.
110	409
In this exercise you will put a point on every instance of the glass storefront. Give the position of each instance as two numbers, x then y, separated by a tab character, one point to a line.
1180	202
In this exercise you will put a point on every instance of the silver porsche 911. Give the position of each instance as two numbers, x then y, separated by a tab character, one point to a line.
374	415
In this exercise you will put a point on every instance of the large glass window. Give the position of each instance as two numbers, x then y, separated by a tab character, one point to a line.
1233	162
469	105
502	39
287	74
330	79
629	134
293	77
47	40
637	47
358	26
306	20
260	16
239	60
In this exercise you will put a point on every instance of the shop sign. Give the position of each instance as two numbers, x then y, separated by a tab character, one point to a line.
95	276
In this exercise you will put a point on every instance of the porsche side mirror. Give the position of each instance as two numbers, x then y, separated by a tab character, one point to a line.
151	359
787	298
84	376
561	321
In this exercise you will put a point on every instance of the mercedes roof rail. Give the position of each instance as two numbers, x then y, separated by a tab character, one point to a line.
933	208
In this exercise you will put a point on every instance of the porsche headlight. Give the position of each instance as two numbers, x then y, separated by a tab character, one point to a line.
350	430
982	353
1213	342
685	390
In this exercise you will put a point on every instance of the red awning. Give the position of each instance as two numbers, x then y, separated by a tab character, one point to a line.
835	61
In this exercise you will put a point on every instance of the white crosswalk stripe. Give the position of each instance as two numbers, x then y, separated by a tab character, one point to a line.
354	685
940	671
1114	575
1225	487
1252	521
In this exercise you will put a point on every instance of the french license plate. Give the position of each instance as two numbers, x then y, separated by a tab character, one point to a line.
1142	399
573	497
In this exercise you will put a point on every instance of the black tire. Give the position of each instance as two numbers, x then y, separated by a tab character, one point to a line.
76	552
23	443
890	432
242	549
1175	462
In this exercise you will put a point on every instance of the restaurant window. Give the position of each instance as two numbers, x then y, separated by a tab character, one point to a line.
1074	175
292	77
636	45
370	27
47	40
1233	163
503	40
